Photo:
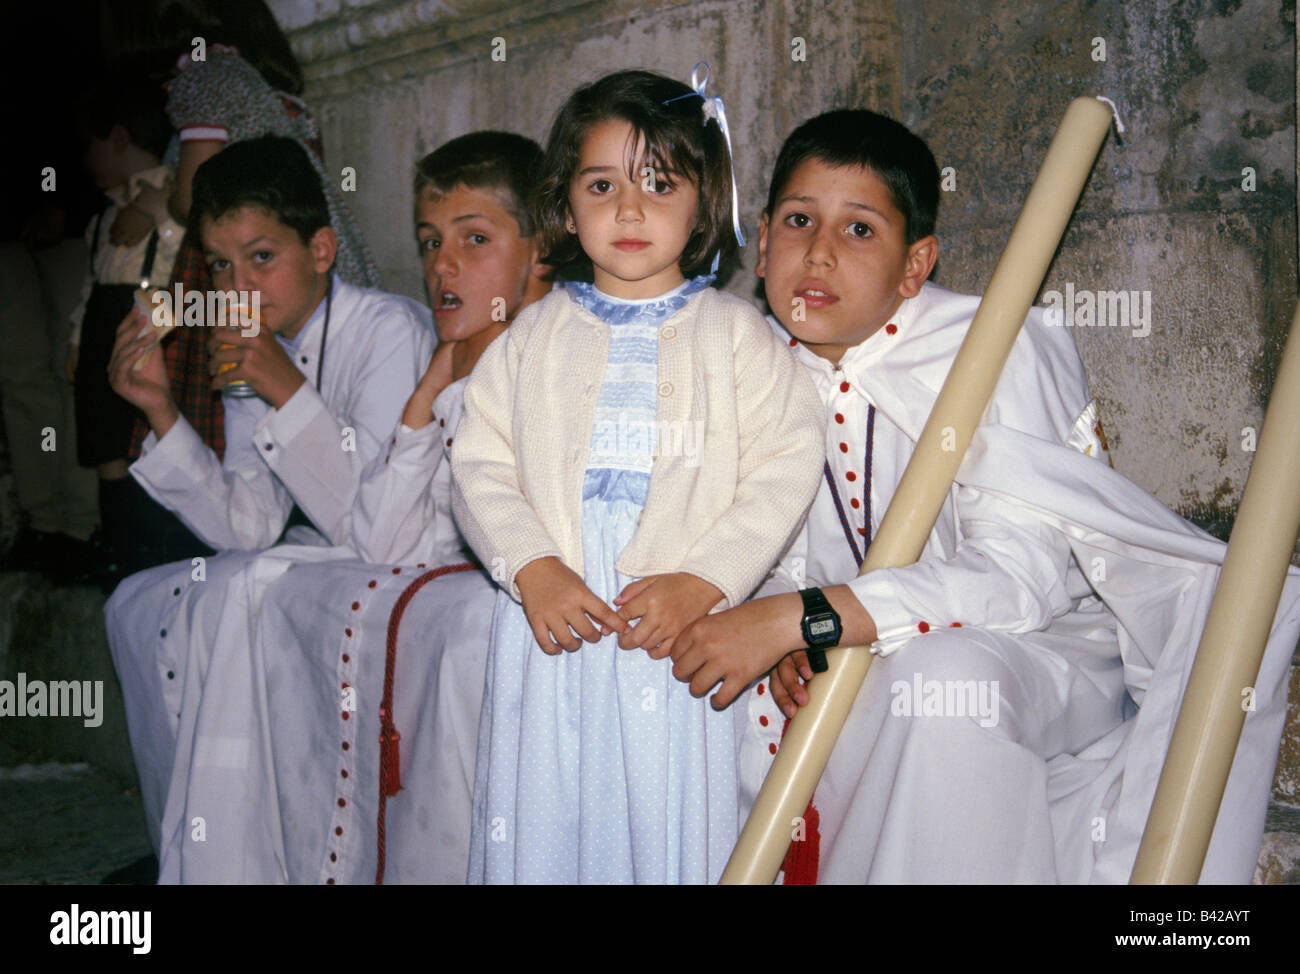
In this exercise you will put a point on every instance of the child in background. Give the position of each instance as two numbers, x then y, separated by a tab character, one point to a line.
644	439
133	243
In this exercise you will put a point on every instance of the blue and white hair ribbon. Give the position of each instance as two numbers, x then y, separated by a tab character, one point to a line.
714	109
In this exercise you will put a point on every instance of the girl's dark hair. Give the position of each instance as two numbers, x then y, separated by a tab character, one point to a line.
857	137
271	173
675	138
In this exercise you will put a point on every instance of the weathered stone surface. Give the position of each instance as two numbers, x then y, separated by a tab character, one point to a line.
1279	855
1286	780
66	823
58	634
1204	87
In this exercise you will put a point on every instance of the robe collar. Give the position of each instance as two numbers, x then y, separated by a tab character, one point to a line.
898	370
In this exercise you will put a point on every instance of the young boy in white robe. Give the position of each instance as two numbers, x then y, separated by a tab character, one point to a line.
329	367
995	739
329	622
475	237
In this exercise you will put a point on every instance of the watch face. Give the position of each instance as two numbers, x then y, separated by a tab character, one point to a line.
821	626
821	630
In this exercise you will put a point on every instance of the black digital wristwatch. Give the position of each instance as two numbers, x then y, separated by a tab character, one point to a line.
821	627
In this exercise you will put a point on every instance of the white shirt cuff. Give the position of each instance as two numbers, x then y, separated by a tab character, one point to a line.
172	462
280	426
895	624
205	133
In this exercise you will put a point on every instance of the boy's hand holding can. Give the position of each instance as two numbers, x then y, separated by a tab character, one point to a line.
251	358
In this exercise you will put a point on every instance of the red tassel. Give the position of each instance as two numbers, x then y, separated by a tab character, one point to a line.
801	859
390	762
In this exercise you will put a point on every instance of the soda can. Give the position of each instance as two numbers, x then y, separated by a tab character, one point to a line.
237	388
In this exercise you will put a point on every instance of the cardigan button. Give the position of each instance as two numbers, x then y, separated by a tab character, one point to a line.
665	389
669	333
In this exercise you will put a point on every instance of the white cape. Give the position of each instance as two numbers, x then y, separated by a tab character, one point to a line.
1159	578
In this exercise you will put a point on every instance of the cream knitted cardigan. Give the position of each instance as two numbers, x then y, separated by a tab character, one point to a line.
725	513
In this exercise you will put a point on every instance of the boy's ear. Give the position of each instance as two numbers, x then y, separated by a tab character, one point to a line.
761	269
539	279
918	264
324	246
537	268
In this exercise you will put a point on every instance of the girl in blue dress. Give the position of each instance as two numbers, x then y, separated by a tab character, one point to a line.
634	453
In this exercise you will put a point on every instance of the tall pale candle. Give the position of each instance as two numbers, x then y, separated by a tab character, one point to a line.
1232	645
929	476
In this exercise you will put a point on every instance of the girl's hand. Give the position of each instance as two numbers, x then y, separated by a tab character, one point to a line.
665	604
436	378
259	360
556	601
738	646
146	388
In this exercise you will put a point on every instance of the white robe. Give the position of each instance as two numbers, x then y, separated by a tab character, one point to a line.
328	624
1074	590
181	634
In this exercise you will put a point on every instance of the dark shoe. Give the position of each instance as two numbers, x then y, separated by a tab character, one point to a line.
90	563
34	551
72	559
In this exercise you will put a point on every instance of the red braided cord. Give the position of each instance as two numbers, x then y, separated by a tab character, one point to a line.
388	735
801	859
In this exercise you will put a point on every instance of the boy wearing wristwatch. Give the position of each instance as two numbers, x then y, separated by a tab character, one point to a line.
996	730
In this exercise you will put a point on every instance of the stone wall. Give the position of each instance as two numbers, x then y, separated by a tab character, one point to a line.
1206	90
